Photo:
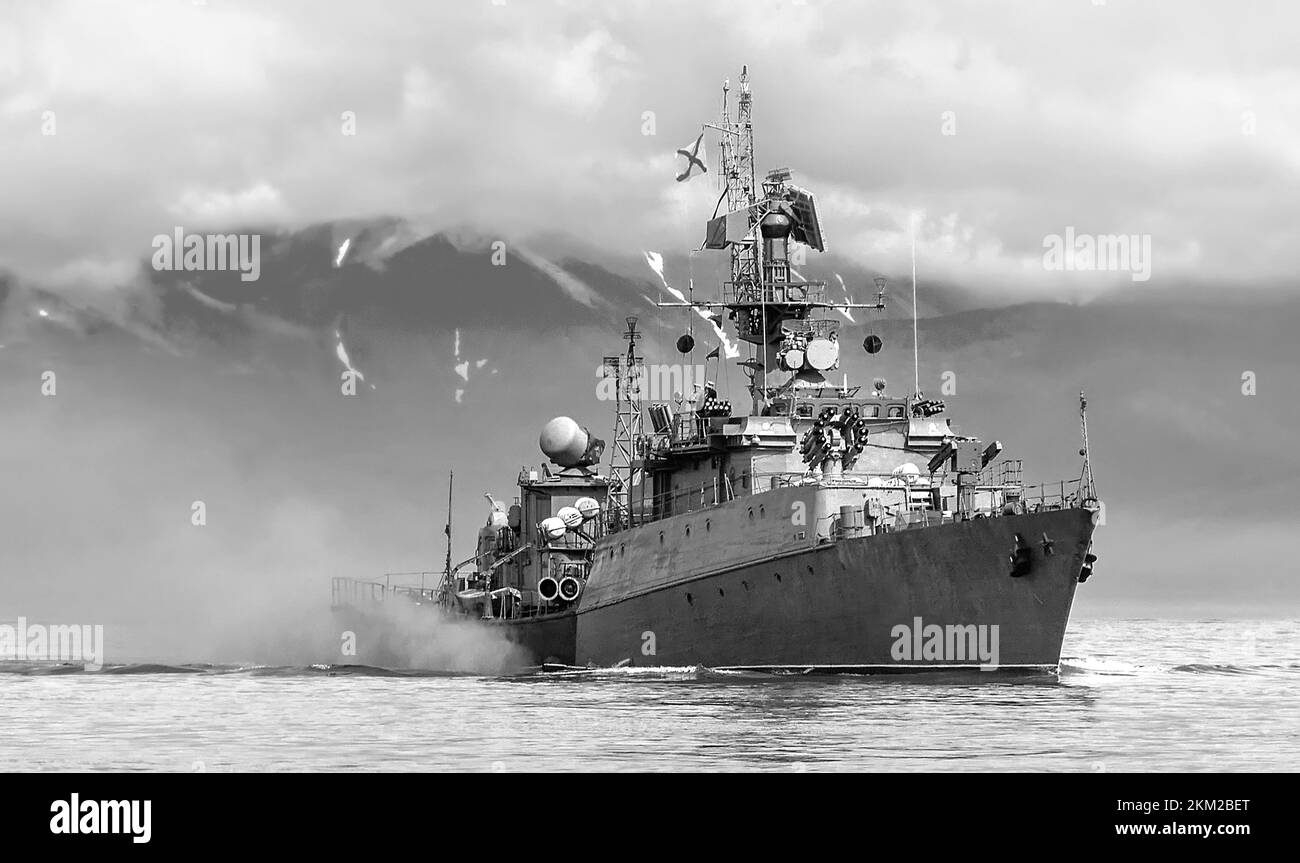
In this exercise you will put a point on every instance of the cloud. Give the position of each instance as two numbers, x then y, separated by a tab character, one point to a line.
259	203
1178	121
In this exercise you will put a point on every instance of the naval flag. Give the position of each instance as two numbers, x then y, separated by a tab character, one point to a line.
694	155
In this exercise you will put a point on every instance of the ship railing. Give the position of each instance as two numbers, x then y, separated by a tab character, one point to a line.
346	591
814	327
687	429
918	496
1062	494
1007	472
748	293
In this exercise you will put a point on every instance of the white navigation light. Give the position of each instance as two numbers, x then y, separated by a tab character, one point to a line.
570	587
548	588
589	507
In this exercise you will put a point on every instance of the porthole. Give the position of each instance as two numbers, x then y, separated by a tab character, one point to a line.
721	592
751	513
661	537
622	551
762	512
706	525
689	600
688	530
778	575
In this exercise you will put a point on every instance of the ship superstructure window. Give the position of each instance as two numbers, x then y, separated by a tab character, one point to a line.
803	410
871	410
895	412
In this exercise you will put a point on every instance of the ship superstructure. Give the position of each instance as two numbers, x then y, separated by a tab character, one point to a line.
823	526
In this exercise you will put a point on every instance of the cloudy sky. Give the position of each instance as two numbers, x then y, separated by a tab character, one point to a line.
1171	119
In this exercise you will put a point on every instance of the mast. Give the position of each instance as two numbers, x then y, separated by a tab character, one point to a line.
451	479
628	426
737	175
738	164
916	342
1087	486
770	305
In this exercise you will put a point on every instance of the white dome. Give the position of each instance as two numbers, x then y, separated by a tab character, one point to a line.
553	528
563	441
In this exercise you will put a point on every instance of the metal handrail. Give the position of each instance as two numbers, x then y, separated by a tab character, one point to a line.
652	508
747	293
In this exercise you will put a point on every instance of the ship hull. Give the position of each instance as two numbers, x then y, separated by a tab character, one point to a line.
927	599
547	639
935	598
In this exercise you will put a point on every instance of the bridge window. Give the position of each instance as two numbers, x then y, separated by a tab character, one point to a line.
895	412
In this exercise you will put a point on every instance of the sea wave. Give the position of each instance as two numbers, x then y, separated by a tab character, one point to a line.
1074	666
1114	667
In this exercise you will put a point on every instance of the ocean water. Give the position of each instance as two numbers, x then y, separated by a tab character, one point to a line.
1131	695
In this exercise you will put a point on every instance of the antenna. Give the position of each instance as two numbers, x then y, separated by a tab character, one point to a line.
446	573
1087	486
916	345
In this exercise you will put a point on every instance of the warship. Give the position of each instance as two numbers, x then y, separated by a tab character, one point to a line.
822	528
